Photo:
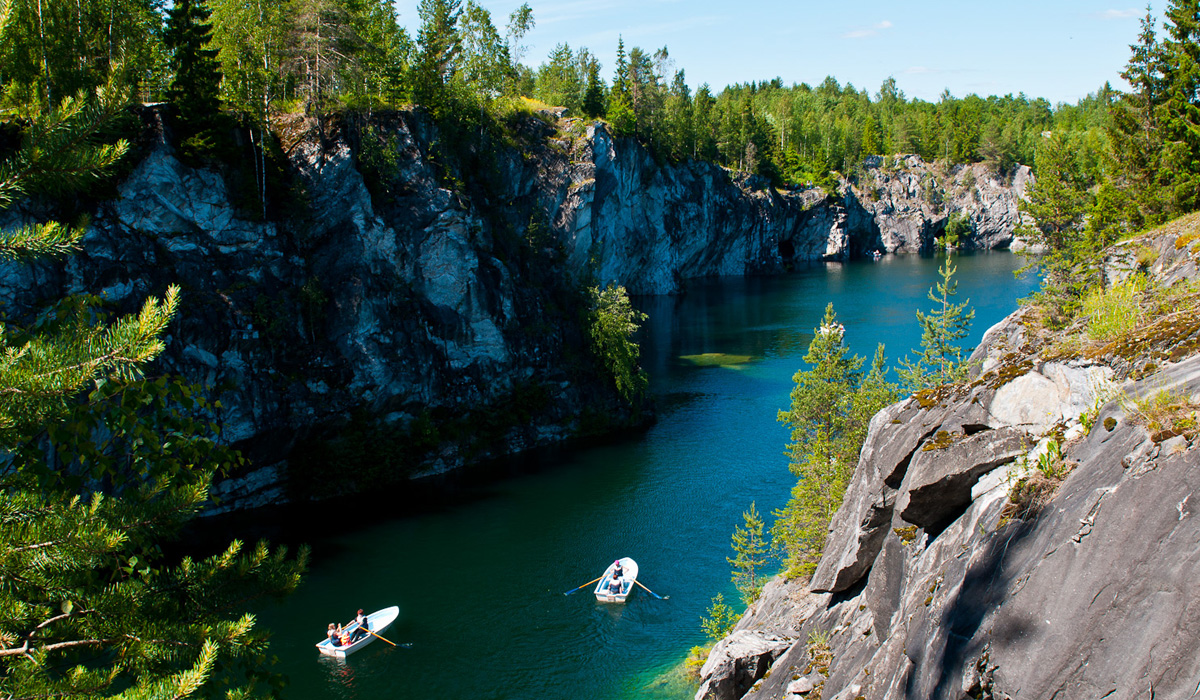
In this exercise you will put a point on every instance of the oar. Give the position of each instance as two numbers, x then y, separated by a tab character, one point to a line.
660	597
384	639
583	586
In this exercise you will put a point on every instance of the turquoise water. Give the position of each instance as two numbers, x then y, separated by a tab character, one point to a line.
479	575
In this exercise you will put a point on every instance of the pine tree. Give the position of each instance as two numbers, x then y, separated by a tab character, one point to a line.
41	374
101	469
195	87
750	555
323	49
942	360
831	407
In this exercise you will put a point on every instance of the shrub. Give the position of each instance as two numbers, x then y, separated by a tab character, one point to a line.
1165	414
720	618
612	325
1113	312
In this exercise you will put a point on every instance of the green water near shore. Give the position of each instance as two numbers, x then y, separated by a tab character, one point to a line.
480	576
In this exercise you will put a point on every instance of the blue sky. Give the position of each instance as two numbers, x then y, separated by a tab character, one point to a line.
1057	49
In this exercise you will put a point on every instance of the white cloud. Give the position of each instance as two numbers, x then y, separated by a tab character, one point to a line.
864	32
1119	14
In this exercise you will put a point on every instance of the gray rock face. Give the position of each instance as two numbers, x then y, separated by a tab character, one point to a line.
652	227
399	310
1091	595
902	203
737	662
939	480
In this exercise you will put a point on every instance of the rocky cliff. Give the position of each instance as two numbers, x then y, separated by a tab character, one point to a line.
408	300
1032	534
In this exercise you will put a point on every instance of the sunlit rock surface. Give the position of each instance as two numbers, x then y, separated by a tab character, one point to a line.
937	586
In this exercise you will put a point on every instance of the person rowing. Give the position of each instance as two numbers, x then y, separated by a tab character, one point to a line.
364	625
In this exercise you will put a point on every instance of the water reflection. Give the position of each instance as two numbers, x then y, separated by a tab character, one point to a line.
339	674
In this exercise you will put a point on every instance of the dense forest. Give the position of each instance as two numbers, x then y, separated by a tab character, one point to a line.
259	59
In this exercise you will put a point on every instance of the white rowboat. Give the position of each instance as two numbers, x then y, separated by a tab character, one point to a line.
606	593
377	621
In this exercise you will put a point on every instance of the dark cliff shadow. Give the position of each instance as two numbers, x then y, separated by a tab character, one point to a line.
985	586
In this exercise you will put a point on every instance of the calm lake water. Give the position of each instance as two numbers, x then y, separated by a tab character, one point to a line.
479	576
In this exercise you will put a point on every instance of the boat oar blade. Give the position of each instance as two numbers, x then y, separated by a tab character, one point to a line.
660	597
579	588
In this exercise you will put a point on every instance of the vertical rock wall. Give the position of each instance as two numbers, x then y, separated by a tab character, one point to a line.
408	308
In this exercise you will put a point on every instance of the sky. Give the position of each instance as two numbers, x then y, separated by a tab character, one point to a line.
1057	49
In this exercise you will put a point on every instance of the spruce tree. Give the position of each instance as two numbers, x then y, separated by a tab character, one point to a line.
439	47
1181	103
593	95
1057	201
196	82
1135	135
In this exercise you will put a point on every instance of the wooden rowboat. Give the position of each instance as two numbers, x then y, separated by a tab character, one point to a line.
605	591
377	621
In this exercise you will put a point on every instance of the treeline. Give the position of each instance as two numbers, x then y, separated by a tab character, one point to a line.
256	58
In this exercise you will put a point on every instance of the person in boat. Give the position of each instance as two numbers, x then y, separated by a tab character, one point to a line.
614	586
617	570
363	625
334	633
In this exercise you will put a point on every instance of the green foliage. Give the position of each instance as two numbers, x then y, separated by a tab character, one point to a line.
941	361
1070	261
51	50
612	323
1113	312
100	470
195	85
750	555
720	618
1051	462
1165	414
1155	128
831	407
958	227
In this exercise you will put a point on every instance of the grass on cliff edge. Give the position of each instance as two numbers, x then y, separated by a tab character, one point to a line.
1137	323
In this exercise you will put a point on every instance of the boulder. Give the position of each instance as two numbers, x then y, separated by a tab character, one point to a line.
737	661
800	686
940	478
1059	392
